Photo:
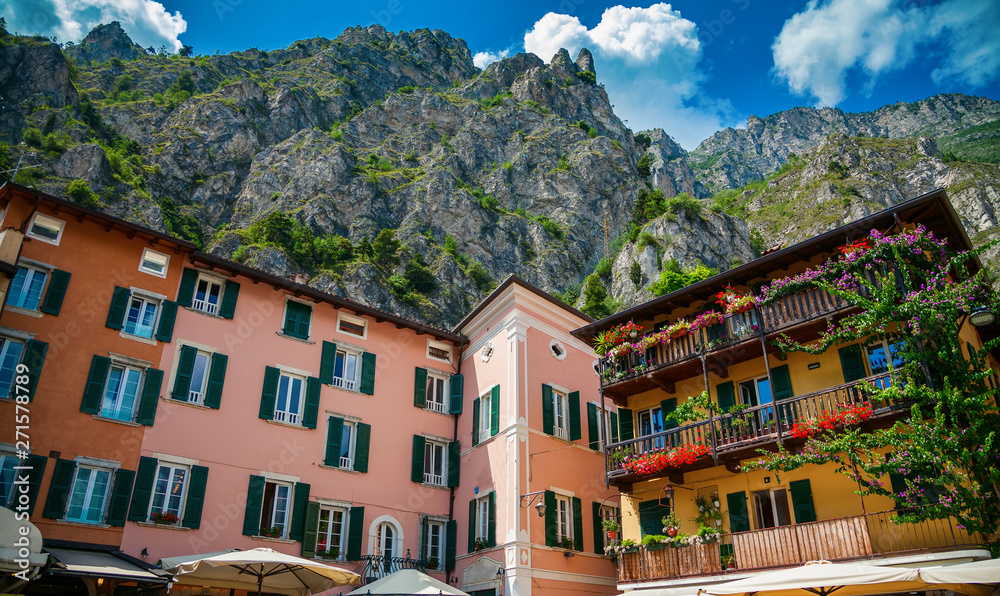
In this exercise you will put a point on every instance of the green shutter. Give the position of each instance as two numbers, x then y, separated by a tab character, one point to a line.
614	427
494	410
781	383
185	368
625	424
739	517
577	524
35	474
548	414
852	362
269	394
422	539
151	385
185	295
120	493
361	447
95	385
417	464
491	521
450	544
475	422
327	362
551	525
58	280
593	431
301	500
195	501
228	308
34	358
143	491
355	532
898	482
455	386
420	388
651	514
802	501
472	526
725	394
368	373
311	412
297	317
255	498
168	314
454	459
667	406
334	433
598	528
309	533
119	303
575	432
59	486
216	379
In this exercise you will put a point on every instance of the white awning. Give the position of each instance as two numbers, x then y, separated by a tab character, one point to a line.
99	564
12	543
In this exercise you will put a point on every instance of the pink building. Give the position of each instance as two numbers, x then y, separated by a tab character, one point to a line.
532	432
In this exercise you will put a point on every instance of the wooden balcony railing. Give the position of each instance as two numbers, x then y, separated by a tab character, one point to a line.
754	425
787	312
843	539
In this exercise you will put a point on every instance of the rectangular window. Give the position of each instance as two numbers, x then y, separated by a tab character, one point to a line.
483	518
26	289
140	319
434	543
564	518
154	263
351	325
757	392
297	318
434	464
609	513
485	409
650	423
199	377
603	425
121	392
275	510
331	532
47	229
346	370
560	415
438	350
207	295
10	355
168	493
883	357
436	399
771	508
89	494
347	436
7	477
288	406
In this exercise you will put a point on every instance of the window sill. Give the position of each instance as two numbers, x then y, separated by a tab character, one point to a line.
346	390
164	526
284	424
207	314
437	486
116	421
339	469
293	338
143	340
189	404
278	540
24	311
445	413
82	524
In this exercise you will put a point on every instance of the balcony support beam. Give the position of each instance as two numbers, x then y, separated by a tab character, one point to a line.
711	412
770	381
668	386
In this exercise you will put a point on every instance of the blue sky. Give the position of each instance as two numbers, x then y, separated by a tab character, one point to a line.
690	67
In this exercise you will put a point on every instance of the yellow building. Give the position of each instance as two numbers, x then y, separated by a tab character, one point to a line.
765	519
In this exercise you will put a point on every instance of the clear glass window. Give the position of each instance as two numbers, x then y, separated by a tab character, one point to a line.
483	518
48	229
10	356
275	509
7	477
121	392
485	409
199	378
433	542
345	370
560	425
330	533
168	489
207	296
564	517
154	263
434	463
26	289
90	491
436	393
141	317
347	446
288	407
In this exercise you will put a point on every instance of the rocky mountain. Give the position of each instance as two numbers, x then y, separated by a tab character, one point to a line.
387	168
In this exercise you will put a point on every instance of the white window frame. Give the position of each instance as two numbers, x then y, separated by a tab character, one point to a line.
345	382
888	350
286	415
270	515
557	349
652	414
429	548
439	345
89	493
204	306
603	426
438	451
485	408
343	317
352	443
8	460
126	367
5	341
444	382
43	221
564	517
157	258
773	502
560	414
330	510
148	299
182	497
32	269
483	517
197	395
608	512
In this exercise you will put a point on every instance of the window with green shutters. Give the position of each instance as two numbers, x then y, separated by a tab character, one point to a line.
26	288
739	516
142	315
482	522
651	514
561	413
437	392
297	319
802	501
103	493
347	368
200	377
56	292
486	415
626	425
275	509
289	398
355	533
207	293
852	362
347	443
165	487
15	351
121	391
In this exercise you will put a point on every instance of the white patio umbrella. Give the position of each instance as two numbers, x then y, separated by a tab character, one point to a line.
407	582
978	578
262	569
823	578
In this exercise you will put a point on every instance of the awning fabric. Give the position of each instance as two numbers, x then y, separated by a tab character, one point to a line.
99	564
12	543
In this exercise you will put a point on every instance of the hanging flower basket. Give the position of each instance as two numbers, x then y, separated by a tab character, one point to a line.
612	534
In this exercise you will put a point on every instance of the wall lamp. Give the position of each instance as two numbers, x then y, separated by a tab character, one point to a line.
982	316
540	506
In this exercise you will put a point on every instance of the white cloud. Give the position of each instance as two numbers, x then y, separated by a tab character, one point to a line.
649	61
147	22
484	59
819	47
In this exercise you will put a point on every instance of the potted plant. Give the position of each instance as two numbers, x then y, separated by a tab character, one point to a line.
330	553
568	543
602	343
272	532
708	535
671	524
706	319
432	563
628	546
654	541
678	329
729	561
611	527
165	518
480	544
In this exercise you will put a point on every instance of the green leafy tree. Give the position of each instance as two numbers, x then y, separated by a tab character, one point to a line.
645	165
596	301
82	195
186	51
635	274
673	277
385	249
420	275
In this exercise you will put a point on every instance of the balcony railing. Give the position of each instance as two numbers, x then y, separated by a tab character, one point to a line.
844	539
757	424
787	312
378	566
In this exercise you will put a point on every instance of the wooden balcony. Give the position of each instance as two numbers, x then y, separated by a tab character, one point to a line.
811	306
845	539
732	436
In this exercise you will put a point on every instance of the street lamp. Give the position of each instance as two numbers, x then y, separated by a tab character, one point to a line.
540	506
